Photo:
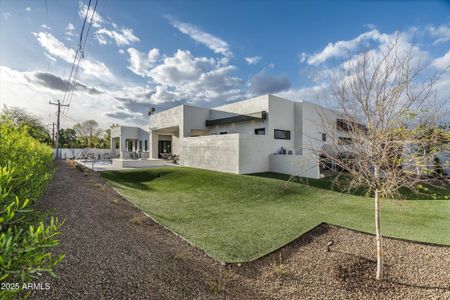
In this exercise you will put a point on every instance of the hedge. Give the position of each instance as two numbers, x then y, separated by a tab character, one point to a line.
26	235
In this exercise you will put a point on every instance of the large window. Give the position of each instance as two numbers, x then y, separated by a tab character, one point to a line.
260	131
140	145
145	145
282	134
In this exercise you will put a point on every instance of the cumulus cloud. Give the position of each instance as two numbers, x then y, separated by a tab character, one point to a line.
194	78
263	83
122	37
44	26
140	62
212	42
253	60
342	48
441	33
442	63
55	48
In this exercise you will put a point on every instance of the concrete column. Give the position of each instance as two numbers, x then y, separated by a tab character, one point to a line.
153	147
113	147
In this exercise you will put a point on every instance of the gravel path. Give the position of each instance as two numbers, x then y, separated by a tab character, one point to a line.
114	252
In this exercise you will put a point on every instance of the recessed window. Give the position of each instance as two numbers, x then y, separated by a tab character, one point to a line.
224	132
324	137
145	145
282	134
140	145
344	141
260	131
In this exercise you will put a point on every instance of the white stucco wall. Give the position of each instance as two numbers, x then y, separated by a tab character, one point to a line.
317	120
213	152
298	165
254	153
248	106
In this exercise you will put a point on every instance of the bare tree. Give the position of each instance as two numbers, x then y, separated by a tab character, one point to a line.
386	136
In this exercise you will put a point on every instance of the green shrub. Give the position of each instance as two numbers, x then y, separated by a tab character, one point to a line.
26	235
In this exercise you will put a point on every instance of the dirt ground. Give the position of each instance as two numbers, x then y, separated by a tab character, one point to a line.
113	251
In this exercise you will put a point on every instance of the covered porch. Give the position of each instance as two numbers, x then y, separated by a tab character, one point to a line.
129	143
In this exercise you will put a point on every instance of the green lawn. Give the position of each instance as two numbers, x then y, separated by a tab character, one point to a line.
237	218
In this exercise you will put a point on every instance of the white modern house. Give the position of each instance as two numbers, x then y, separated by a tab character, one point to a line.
261	134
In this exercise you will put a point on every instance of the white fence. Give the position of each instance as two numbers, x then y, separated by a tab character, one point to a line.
72	153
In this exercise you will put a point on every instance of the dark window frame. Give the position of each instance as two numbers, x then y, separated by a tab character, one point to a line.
286	132
145	145
260	131
324	137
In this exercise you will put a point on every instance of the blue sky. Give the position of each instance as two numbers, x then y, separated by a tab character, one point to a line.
143	54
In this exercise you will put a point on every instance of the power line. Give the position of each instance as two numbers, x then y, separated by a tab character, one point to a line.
76	55
82	46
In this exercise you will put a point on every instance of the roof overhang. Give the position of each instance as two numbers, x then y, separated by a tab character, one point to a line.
238	118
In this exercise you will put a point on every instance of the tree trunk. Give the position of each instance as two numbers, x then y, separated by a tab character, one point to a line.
379	237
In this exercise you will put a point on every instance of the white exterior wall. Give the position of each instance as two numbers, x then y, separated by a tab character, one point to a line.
213	152
254	153
244	107
297	165
281	116
317	120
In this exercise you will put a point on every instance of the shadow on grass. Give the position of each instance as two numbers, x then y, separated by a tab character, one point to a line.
135	179
327	183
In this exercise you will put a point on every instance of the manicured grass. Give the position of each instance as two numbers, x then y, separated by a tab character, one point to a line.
237	218
427	192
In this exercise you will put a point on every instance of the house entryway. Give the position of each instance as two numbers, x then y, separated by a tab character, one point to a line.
164	147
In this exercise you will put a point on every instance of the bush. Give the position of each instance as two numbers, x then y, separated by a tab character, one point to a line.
26	235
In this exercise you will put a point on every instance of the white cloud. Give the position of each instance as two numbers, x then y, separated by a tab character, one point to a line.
253	60
44	26
97	20
121	51
140	62
195	78
28	9
70	29
441	33
122	37
442	63
342	48
56	48
6	15
212	42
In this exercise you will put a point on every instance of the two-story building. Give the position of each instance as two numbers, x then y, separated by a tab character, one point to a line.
261	134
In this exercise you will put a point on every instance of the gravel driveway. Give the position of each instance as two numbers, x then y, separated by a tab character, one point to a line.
114	252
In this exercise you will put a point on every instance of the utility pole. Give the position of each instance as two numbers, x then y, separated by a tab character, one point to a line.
58	103
53	133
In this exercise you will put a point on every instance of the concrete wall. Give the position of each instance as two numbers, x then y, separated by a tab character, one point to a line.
213	152
317	120
298	165
248	106
254	151
194	118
